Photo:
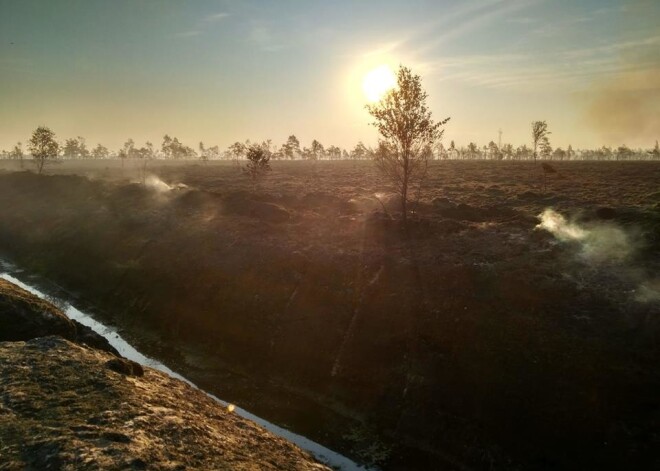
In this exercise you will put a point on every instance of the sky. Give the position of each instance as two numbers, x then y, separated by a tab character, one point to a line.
224	71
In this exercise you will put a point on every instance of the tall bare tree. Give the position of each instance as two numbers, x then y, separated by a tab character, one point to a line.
407	130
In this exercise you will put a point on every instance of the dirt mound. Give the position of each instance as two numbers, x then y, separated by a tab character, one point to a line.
24	316
68	411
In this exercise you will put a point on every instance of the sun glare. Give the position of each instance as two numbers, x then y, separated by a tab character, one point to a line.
378	82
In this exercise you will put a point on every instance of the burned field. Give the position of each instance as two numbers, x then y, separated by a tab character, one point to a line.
472	337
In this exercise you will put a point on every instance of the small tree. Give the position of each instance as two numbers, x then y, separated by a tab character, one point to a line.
559	154
173	149
43	146
237	151
546	148
522	152
539	135
258	164
407	131
359	152
570	153
472	150
494	151
317	150
655	152
507	151
291	148
624	153
127	151
100	152
17	153
333	153
439	152
208	153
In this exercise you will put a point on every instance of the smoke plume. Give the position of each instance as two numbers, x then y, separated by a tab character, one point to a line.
155	183
624	107
605	247
599	243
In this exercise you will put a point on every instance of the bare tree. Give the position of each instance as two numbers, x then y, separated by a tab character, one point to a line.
43	146
539	133
407	131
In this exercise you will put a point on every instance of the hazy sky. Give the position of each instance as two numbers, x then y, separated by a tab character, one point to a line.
222	71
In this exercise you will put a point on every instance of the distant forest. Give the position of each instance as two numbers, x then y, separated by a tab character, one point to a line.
172	149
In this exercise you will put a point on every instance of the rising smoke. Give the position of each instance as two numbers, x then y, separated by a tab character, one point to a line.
598	243
623	107
155	183
604	246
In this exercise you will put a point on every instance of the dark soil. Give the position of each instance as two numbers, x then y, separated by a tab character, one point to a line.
467	339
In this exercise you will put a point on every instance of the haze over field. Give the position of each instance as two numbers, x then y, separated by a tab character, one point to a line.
225	71
389	235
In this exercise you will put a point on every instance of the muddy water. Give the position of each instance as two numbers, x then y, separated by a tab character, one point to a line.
323	454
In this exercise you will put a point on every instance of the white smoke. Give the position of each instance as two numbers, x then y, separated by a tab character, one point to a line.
604	245
598	242
155	183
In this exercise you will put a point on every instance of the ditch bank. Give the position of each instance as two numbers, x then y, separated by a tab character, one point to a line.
456	342
68	400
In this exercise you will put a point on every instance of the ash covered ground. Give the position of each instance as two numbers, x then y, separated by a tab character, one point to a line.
507	326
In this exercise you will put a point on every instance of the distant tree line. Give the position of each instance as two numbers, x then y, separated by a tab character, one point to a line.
172	149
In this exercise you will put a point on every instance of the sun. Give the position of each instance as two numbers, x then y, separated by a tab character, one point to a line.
378	82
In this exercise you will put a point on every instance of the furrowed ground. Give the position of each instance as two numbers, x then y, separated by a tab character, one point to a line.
470	338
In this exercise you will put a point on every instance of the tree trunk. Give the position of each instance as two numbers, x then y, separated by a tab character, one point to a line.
404	187
404	202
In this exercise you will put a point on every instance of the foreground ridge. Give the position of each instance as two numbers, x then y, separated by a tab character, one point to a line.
65	405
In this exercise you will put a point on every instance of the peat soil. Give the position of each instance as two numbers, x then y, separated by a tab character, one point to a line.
469	339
